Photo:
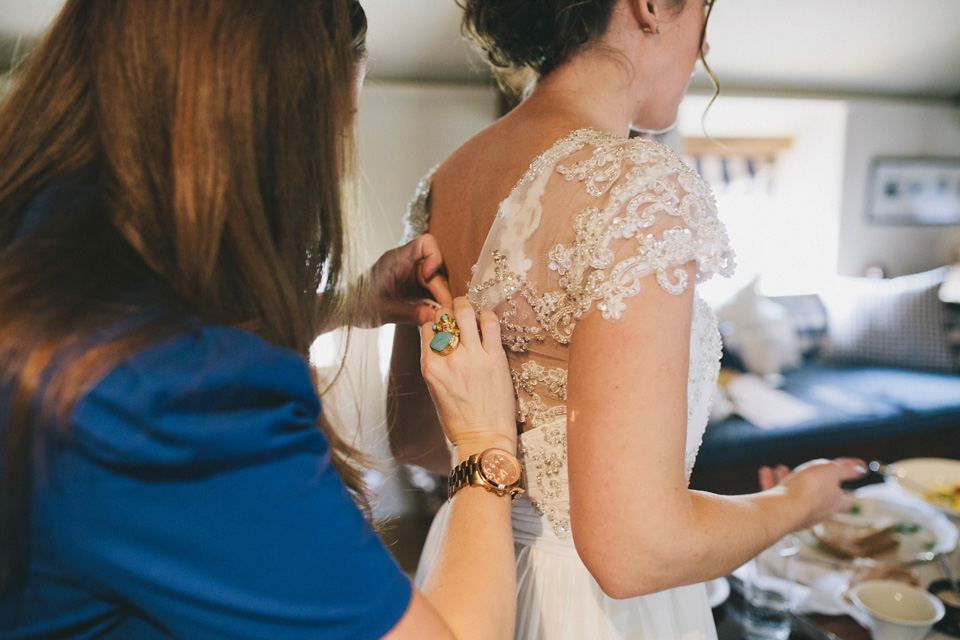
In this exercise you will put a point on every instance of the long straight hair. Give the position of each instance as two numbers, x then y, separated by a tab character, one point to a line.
215	137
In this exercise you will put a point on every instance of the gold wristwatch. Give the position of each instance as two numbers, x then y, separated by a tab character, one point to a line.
495	470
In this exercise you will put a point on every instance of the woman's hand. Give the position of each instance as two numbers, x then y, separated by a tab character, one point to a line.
406	285
471	386
817	484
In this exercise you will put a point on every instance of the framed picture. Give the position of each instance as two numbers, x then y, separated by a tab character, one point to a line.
914	191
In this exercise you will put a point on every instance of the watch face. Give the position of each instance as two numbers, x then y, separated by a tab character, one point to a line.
499	467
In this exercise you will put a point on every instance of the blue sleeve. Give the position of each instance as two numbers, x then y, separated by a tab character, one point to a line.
199	490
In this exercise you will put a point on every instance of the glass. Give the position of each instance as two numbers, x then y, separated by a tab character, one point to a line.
768	588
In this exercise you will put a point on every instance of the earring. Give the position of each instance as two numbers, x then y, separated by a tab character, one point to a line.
646	29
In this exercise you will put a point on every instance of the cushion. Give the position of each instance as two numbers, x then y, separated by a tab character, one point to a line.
808	317
759	332
897	322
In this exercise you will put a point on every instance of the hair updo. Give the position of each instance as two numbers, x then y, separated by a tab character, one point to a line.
520	37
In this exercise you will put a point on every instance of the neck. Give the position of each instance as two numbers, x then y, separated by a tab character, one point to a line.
592	90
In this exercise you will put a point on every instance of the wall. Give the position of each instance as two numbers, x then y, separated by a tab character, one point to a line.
822	185
877	128
789	233
404	130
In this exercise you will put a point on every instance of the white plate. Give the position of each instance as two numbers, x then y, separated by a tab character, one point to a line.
717	592
933	473
924	531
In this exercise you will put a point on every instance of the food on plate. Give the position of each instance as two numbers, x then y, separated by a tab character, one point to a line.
851	537
862	572
945	497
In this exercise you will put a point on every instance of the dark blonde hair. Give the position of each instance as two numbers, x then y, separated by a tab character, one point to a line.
214	139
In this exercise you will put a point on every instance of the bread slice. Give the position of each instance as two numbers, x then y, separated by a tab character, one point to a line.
858	538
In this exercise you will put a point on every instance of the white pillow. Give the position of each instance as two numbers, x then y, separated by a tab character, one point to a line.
760	332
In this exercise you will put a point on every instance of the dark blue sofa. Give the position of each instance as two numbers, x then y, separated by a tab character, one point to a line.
872	412
886	413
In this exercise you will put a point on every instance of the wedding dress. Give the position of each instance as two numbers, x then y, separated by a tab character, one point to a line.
590	218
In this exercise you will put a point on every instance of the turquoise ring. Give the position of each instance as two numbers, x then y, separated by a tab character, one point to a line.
446	335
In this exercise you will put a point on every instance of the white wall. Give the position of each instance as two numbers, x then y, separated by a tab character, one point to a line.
404	130
789	234
890	128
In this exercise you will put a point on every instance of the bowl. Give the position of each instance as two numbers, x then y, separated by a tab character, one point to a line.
950	624
896	610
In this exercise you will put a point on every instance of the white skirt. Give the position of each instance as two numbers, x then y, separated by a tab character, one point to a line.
558	599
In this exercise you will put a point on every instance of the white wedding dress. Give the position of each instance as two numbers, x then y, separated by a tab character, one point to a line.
590	219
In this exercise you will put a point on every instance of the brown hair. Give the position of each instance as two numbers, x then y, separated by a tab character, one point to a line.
214	137
521	38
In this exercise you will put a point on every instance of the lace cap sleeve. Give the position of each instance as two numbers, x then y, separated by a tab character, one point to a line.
653	214
417	219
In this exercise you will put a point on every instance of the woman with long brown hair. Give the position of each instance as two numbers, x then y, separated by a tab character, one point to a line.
589	244
173	236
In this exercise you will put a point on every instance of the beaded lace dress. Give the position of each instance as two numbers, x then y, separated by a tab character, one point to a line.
592	220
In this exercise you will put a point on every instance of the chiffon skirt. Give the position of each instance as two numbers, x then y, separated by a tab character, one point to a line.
558	599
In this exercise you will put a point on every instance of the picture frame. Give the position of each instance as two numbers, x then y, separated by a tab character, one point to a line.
914	191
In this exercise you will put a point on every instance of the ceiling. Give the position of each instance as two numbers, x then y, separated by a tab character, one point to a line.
843	47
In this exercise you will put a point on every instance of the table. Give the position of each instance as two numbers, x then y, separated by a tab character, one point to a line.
729	626
817	626
804	627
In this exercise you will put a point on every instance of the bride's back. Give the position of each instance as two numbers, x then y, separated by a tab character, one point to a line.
469	186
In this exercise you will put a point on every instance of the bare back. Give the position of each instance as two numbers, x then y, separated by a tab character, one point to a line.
469	186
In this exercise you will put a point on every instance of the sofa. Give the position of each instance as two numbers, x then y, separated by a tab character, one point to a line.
866	367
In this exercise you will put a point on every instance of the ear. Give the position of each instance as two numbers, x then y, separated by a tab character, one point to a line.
647	15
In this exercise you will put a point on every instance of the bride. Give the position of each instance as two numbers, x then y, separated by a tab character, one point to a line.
589	245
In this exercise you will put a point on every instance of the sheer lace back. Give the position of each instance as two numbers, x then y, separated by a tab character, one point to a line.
588	222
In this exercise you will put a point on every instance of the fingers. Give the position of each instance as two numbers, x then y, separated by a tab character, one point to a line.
770	477
781	472
431	260
426	335
467	321
439	289
490	330
425	312
470	324
430	273
851	468
766	478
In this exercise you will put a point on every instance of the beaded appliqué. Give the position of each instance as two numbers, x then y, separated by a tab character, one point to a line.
525	383
417	220
546	473
513	332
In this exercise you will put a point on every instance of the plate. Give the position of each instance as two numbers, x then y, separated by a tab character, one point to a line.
914	474
717	592
921	531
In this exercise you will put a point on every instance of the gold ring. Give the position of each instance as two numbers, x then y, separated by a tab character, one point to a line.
446	336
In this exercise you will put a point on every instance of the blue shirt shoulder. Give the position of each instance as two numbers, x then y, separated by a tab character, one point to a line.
194	497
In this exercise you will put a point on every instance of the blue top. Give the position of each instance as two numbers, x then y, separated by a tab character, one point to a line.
194	497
